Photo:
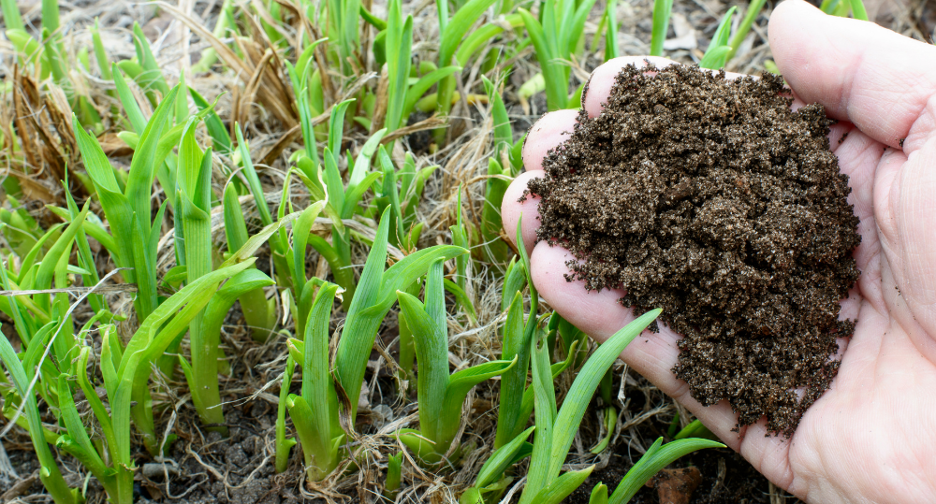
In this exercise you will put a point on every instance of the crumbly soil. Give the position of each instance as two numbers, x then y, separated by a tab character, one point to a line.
710	198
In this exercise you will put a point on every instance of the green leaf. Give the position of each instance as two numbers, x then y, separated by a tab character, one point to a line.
539	475
562	486
653	461
284	444
499	461
513	383
336	127
599	494
50	475
661	16
77	432
718	50
11	15
431	337
553	71
583	388
417	90
695	429
152	338
858	10
400	40
454	31
753	11
376	293
317	385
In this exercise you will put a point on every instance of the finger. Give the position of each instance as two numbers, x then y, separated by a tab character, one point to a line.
512	208
549	131
653	355
860	72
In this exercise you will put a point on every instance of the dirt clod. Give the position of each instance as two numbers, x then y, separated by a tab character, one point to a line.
710	198
675	486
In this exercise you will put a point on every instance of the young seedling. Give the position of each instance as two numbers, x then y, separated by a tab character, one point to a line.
452	32
320	432
500	173
283	443
661	15
556	429
718	50
23	378
394	475
440	396
341	200
491	480
556	36
402	91
259	312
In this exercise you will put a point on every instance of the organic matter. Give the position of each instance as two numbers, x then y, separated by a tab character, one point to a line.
711	199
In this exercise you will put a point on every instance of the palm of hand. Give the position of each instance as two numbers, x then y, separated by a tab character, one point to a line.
870	438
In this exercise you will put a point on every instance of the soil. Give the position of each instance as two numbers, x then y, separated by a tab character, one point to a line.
710	198
726	478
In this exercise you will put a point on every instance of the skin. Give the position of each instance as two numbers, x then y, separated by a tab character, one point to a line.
870	438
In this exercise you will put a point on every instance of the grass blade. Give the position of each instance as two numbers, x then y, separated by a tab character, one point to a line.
661	16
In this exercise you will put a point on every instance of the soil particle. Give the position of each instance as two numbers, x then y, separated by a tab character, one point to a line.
710	198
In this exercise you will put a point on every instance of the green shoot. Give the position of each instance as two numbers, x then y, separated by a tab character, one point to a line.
394	474
499	176
661	16
718	50
754	9
259	312
452	32
319	430
11	15
284	444
491	480
440	396
556	36
611	35
49	472
556	430
653	461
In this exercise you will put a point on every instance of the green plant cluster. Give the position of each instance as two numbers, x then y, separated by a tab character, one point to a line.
193	195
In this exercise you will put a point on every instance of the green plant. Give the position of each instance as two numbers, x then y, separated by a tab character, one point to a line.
502	167
556	36
491	480
661	15
440	396
23	377
452	32
401	191
284	444
403	91
259	312
556	429
754	9
126	204
319	430
394	474
341	200
718	50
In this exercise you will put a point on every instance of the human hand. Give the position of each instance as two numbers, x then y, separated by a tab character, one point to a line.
871	436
